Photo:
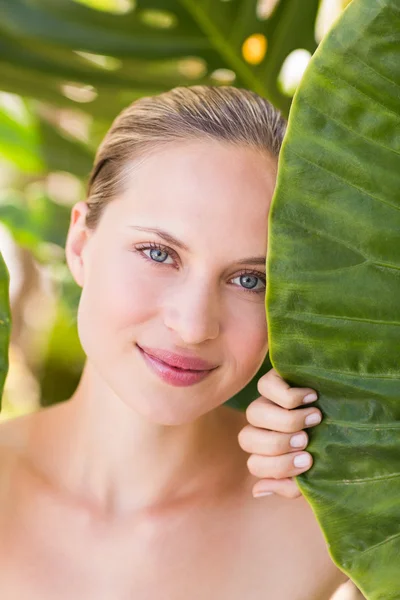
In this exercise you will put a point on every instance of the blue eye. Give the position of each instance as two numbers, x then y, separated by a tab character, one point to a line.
156	253
251	282
248	281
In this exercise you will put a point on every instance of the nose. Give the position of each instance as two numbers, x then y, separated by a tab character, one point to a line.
192	311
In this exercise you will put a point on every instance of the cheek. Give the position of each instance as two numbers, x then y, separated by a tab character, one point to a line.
132	300
118	294
249	339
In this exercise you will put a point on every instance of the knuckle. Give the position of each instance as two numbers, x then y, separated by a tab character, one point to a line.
243	436
280	472
253	465
275	446
287	401
250	412
250	464
262	385
292	399
254	411
292	421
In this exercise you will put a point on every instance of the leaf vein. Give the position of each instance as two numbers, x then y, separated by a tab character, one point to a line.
369	426
331	237
382	543
345	318
346	181
386	266
356	133
384	77
344	373
376	478
373	101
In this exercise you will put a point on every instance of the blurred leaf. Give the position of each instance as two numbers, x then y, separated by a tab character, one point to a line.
334	285
20	143
35	221
18	222
5	323
37	146
63	363
43	45
290	27
61	153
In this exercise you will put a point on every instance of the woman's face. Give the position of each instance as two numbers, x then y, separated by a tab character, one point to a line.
198	295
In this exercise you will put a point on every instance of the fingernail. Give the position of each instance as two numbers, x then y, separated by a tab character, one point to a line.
313	419
297	441
302	460
259	494
310	398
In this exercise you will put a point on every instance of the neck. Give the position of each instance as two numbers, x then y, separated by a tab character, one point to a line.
103	453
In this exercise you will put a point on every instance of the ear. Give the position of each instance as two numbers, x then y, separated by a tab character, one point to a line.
78	235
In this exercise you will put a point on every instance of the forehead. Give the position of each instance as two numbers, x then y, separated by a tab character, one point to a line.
200	188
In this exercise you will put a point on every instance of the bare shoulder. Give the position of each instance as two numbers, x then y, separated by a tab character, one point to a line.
290	528
299	540
17	439
14	432
13	436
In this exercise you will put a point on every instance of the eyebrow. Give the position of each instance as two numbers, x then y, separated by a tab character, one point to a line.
254	260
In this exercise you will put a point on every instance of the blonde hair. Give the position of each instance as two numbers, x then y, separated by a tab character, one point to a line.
228	114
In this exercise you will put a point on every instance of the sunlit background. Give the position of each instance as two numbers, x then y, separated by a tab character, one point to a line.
66	70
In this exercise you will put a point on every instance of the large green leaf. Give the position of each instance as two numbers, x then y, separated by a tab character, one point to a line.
45	44
5	323
333	297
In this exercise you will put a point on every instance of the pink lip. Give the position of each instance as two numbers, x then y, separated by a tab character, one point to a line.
175	375
191	363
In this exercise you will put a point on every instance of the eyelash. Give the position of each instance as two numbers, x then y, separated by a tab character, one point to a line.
152	245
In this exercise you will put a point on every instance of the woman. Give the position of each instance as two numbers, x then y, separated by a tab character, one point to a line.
136	486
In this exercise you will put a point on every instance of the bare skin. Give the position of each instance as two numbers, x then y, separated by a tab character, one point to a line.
215	541
134	487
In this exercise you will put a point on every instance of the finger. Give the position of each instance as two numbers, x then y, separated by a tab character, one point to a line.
270	443
281	487
272	386
279	467
263	413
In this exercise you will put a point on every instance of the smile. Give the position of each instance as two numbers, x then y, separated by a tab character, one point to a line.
173	375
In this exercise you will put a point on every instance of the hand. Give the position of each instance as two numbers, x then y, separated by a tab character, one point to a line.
274	436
